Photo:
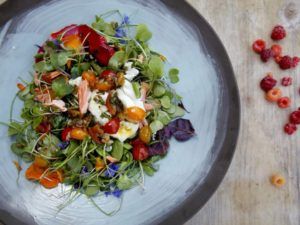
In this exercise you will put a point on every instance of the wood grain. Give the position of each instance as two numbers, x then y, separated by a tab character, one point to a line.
246	196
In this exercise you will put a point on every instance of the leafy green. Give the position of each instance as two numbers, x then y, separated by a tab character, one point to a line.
173	75
59	59
159	90
163	117
156	125
124	182
165	102
43	66
142	33
179	112
117	59
156	65
149	170
117	150
61	88
92	190
136	89
101	25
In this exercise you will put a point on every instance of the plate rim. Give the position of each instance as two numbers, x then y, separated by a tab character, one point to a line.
191	205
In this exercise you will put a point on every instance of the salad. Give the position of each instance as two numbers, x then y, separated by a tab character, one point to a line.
100	109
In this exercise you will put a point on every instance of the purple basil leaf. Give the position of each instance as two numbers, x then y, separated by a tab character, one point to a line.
182	135
182	129
159	148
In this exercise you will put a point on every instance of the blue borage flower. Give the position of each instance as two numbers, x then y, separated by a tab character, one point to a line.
120	33
84	170
63	145
111	170
116	192
125	20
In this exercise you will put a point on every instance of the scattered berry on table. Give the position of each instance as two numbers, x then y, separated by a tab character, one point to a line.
284	102
276	49
277	59
268	82
273	95
295	117
290	128
266	54
278	33
296	60
258	45
286	62
277	180
286	81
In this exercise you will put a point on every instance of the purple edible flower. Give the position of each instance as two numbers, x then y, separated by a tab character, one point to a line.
63	145
111	170
125	20
117	193
77	185
84	170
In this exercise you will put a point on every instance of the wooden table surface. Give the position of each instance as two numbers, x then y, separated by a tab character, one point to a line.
246	196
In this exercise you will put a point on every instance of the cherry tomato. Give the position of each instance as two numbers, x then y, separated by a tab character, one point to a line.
103	86
112	126
108	74
135	114
90	77
112	109
78	133
140	152
21	87
96	132
65	134
145	134
43	127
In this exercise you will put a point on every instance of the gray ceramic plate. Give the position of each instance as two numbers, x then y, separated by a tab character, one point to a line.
190	173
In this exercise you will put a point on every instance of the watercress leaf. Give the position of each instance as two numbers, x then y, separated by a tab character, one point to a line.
165	102
26	157
63	58
127	146
61	88
43	66
84	66
75	72
156	65
96	67
124	182
171	109
142	33
173	75
15	128
74	165
117	59
117	150
149	170
156	125
163	117
159	90
36	121
136	89
179	112
91	190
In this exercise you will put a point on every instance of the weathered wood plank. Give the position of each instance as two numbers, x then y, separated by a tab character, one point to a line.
246	196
